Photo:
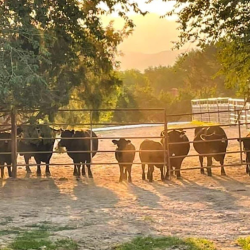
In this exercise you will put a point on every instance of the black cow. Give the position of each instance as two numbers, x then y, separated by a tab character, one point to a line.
79	144
246	146
152	154
126	158
35	150
211	140
179	149
5	147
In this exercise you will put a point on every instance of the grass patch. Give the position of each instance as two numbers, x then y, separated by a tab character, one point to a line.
10	231
244	243
163	243
6	220
47	226
40	239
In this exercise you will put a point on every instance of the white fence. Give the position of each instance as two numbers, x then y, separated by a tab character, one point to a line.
221	110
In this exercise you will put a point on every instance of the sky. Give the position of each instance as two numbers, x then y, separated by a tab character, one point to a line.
152	34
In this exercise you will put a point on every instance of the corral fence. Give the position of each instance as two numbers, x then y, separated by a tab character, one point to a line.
10	122
220	110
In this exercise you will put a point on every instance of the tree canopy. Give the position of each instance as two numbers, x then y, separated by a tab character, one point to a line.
221	22
49	47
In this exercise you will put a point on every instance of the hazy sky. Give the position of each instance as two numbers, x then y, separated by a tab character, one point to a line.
152	34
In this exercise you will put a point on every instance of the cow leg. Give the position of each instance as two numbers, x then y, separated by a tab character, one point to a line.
201	164
128	169
9	168
27	158
222	167
79	169
161	169
90	175
2	169
167	173
247	162
83	170
143	171
125	174
178	172
150	171
209	164
75	170
47	171
121	173
38	170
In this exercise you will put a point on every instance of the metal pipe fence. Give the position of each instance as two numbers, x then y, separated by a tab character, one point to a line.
163	122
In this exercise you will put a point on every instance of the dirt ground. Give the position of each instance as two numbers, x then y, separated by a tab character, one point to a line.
103	212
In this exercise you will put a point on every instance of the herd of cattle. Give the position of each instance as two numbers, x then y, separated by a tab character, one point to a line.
210	142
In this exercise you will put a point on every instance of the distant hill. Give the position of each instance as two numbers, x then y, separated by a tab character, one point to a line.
142	61
151	42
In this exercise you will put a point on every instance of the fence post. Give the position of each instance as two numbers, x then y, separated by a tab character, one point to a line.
218	112
167	161
239	129
91	135
13	143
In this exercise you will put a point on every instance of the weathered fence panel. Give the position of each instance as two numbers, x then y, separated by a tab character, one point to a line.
221	110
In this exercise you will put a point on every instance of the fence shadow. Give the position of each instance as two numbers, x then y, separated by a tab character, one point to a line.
216	198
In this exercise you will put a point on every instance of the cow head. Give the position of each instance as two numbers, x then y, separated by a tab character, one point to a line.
246	142
64	142
174	135
217	142
121	143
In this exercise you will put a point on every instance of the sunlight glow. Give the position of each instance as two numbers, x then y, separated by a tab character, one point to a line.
156	6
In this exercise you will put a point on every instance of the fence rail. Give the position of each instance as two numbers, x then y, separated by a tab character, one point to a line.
220	110
225	110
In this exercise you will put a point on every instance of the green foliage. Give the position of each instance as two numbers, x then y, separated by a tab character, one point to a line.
235	60
225	23
47	48
150	243
47	226
206	21
194	75
244	243
40	238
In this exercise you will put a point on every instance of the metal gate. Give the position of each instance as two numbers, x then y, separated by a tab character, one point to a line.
161	120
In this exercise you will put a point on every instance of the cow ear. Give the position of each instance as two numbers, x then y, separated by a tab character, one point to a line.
128	141
223	140
115	142
182	134
72	131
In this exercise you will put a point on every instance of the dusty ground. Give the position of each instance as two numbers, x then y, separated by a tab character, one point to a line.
103	212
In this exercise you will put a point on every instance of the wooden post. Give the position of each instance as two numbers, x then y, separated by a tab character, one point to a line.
239	130
14	143
91	135
167	160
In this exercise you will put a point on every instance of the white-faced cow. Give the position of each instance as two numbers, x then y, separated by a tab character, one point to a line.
179	147
41	149
213	141
125	155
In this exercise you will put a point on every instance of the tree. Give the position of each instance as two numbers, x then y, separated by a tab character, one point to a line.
222	22
49	47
